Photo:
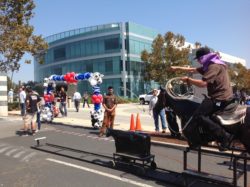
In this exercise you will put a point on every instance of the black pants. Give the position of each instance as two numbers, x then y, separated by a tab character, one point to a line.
85	101
77	103
172	122
202	116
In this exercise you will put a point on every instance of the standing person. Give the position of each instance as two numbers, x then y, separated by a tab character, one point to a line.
38	114
85	99
32	102
109	104
216	79
10	96
22	97
152	102
77	98
63	99
237	96
243	96
159	110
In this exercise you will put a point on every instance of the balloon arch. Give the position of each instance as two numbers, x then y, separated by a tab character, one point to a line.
95	79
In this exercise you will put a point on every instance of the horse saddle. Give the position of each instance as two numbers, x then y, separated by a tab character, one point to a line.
231	114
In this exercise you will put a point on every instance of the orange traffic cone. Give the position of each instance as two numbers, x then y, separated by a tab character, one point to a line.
132	123
138	123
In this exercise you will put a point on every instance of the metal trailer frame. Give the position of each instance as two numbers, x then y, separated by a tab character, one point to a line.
134	161
198	174
234	155
243	155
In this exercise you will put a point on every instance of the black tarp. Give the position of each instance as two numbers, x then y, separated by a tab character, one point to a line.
131	143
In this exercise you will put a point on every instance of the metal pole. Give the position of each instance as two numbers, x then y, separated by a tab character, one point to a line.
199	159
234	171
245	171
185	160
123	60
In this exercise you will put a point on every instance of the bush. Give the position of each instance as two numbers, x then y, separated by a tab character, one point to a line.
122	100
13	106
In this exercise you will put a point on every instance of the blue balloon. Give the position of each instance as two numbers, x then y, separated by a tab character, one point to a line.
97	106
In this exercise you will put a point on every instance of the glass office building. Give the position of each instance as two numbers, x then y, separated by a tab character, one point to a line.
111	49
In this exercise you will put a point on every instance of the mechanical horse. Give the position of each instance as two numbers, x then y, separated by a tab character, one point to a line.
235	118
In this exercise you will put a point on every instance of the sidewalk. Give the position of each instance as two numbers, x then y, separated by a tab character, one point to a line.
122	120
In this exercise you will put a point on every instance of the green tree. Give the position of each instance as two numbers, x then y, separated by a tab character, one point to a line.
167	50
239	75
16	34
197	45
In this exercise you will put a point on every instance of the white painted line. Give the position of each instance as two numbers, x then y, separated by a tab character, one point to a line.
99	173
2	144
27	157
19	154
10	152
5	148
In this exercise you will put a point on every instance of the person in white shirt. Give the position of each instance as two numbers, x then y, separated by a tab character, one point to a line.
22	96
77	98
152	103
10	96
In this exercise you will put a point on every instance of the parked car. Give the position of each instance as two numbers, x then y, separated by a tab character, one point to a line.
145	98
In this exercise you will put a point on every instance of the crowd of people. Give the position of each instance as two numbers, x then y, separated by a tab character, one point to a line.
31	103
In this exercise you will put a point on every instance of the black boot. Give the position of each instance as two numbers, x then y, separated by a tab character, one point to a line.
218	133
226	143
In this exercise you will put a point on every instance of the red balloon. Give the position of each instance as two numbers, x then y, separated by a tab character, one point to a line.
97	101
65	77
94	96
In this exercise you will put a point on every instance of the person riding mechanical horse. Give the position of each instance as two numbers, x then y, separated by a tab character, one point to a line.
216	79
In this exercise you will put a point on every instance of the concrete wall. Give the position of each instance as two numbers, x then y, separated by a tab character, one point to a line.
3	95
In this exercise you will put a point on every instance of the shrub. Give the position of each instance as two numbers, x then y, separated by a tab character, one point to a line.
122	100
13	106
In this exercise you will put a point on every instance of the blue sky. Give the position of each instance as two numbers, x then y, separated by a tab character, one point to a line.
221	24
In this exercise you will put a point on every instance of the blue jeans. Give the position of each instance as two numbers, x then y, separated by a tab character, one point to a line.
162	115
63	108
22	109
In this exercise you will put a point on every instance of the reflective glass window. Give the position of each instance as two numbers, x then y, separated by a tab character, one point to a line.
59	53
109	66
112	43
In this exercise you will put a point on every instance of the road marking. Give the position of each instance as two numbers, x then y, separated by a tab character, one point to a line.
88	136
10	152
5	148
99	173
2	144
19	154
27	157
